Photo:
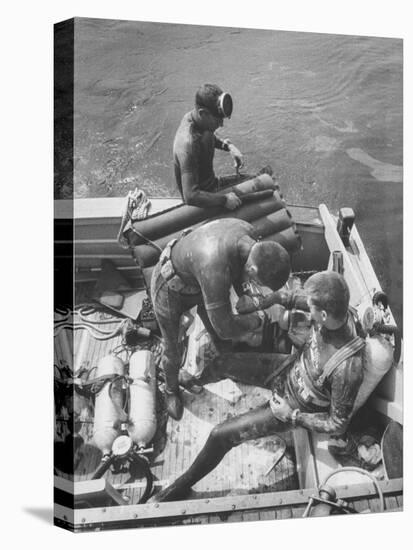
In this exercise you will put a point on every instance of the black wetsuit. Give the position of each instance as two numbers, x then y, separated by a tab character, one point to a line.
193	164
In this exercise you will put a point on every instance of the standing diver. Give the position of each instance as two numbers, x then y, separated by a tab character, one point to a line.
199	269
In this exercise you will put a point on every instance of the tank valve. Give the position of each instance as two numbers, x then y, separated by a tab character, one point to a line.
325	503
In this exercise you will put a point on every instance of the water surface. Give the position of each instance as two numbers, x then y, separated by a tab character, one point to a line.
324	110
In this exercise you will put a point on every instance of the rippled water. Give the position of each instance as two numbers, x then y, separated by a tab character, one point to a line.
324	110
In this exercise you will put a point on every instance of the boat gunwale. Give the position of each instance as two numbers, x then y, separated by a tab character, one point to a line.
184	509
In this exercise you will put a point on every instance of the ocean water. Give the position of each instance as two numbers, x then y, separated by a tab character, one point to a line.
324	110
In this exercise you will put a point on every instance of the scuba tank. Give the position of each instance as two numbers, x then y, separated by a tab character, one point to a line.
109	402
263	182
289	238
147	255
142	396
379	353
377	361
163	225
273	223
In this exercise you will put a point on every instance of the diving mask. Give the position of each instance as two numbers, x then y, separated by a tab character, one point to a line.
224	105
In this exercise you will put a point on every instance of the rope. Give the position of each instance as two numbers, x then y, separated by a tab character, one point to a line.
148	241
134	211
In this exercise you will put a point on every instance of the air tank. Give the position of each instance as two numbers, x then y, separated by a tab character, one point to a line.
289	238
176	219
142	409
273	223
378	359
109	403
147	255
254	185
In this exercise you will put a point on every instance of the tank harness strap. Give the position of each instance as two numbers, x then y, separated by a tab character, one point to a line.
319	395
96	384
167	268
168	271
341	355
289	360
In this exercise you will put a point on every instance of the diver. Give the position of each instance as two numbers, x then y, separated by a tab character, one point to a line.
316	390
194	147
199	269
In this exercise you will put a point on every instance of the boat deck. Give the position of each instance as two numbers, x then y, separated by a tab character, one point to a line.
243	487
246	469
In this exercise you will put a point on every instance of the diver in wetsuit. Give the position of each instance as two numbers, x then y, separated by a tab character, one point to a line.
311	392
194	147
199	269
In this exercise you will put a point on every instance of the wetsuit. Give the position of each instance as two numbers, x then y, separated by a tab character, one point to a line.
193	164
327	412
206	263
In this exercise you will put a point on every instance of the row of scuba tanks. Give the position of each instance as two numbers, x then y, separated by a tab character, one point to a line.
262	205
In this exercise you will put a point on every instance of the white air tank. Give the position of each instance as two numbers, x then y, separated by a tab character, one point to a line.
109	403
142	408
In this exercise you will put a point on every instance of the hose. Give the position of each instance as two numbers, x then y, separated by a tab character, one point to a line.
84	313
364	472
139	464
94	331
103	467
146	239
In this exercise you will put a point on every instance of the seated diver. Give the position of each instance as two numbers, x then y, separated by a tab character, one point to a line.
194	148
316	390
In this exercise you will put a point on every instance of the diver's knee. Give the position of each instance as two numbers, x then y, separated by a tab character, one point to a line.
220	437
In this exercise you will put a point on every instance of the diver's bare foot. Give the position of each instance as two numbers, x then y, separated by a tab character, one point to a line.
188	382
174	405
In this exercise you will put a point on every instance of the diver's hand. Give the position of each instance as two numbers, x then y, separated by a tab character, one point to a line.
232	201
236	156
247	304
280	408
254	337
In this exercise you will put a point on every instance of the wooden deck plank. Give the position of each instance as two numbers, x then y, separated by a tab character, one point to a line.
251	516
399	500
234	517
391	503
361	504
298	511
267	515
284	513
